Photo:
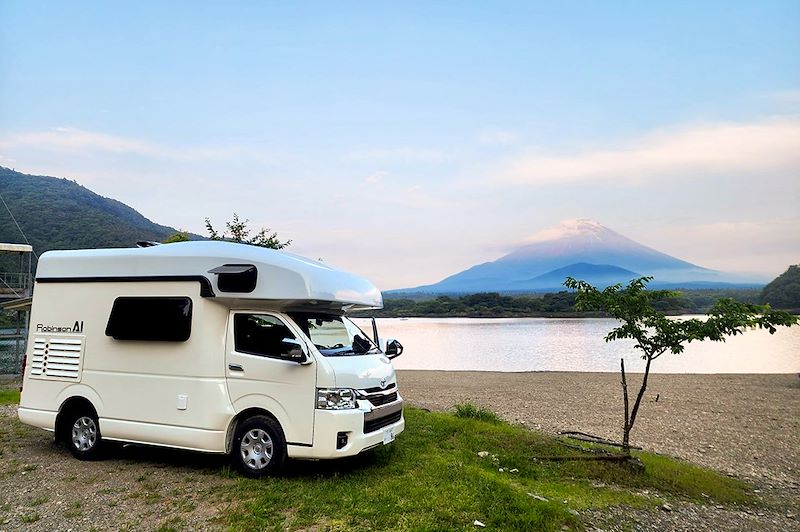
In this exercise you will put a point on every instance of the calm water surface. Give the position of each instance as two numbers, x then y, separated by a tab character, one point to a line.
574	344
549	344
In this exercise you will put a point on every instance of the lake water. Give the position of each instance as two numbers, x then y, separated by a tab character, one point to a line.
574	344
550	344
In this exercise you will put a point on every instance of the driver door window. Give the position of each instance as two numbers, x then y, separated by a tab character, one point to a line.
262	335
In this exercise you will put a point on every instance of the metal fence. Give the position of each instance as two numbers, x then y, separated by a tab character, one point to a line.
12	349
14	284
16	287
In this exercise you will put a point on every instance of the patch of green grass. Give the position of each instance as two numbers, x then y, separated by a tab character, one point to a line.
691	481
432	478
470	411
30	518
151	497
38	501
9	396
73	510
171	525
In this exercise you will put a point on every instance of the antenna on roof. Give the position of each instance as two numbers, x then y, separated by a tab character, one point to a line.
147	244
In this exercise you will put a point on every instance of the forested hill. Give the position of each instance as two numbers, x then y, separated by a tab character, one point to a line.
784	291
61	214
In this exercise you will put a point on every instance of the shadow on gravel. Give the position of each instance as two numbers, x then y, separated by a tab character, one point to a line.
159	457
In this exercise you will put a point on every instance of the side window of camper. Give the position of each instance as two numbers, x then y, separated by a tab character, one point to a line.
262	334
154	319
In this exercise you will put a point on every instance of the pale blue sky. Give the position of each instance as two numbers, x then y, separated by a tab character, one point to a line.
406	141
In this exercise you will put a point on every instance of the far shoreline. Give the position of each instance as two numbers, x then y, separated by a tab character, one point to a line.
564	372
549	315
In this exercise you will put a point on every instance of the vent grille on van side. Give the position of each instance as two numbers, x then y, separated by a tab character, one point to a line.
58	358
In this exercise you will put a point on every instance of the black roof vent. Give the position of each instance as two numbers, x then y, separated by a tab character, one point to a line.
240	278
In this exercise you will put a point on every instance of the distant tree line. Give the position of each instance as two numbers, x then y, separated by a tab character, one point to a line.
495	305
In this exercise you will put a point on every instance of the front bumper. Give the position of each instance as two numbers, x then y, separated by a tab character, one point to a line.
365	427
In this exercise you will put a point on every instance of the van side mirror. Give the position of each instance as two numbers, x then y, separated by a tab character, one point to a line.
295	350
393	348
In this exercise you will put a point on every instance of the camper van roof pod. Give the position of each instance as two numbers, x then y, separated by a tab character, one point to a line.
226	270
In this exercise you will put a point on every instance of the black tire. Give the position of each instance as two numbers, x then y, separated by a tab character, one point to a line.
82	435
259	447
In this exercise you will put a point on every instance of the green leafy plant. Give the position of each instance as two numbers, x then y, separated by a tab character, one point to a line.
180	236
237	231
655	334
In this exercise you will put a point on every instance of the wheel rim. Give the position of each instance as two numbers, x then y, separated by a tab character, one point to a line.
256	449
84	433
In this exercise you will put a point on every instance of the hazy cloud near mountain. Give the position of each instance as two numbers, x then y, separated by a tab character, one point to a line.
691	151
694	194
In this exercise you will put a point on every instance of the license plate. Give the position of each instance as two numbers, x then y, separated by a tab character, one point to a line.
388	436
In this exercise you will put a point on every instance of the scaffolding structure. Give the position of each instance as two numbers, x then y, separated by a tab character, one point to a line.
16	291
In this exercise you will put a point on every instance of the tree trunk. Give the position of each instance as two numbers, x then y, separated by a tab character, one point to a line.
626	431
639	397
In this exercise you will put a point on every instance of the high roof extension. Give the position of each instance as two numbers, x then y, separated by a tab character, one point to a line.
226	271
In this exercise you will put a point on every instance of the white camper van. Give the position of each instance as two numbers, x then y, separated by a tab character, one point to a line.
209	346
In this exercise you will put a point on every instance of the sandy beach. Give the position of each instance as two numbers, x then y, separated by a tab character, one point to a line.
745	425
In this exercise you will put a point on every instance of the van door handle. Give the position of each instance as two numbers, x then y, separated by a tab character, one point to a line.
235	367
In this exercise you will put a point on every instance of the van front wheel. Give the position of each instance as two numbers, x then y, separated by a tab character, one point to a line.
259	447
83	437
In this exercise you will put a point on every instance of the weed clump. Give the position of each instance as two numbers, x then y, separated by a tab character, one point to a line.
470	411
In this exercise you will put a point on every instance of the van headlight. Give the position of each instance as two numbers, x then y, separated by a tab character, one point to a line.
336	398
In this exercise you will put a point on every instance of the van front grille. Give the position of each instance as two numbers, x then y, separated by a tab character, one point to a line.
378	423
377	389
381	399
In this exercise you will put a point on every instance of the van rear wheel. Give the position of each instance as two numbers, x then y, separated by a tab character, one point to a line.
83	436
259	447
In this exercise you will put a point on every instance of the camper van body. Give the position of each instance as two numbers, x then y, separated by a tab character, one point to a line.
162	345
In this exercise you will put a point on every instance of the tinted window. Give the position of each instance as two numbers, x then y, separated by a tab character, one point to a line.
159	319
261	334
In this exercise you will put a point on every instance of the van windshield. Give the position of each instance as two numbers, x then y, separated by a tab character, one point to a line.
334	335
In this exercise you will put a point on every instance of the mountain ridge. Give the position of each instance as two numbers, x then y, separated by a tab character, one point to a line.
573	242
57	213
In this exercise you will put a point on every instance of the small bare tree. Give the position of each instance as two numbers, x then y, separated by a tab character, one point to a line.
237	231
655	334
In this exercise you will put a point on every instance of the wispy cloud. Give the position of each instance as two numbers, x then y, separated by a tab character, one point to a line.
735	148
498	137
376	177
772	243
77	142
395	155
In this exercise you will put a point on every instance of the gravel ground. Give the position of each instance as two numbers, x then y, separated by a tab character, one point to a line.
43	488
746	426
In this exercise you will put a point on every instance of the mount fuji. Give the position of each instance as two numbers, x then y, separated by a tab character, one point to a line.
583	249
